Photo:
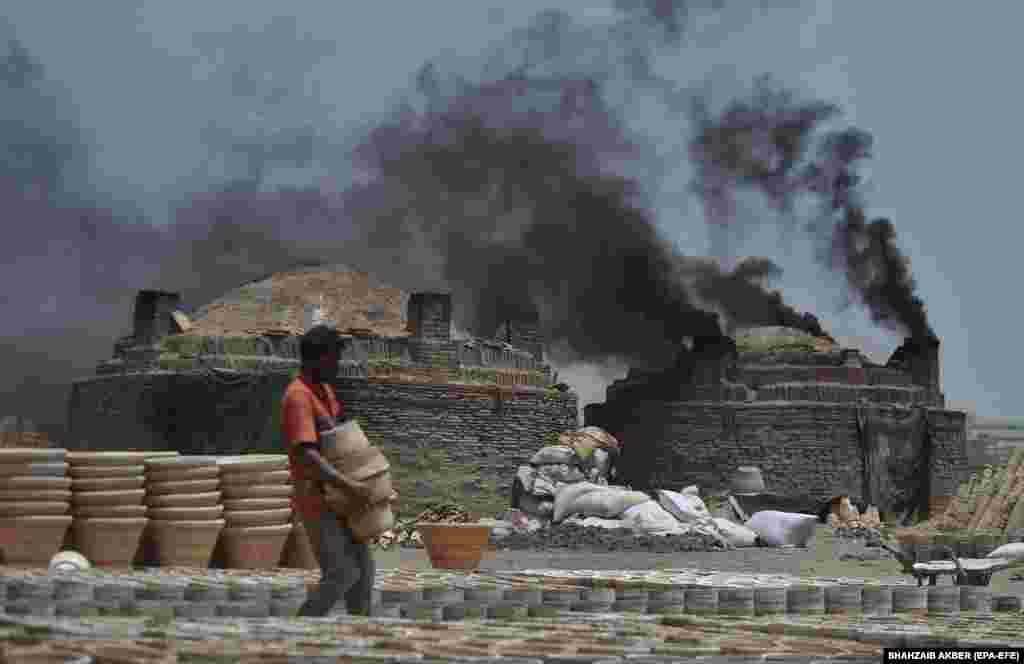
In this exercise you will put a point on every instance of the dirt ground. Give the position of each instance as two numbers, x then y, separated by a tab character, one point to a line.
820	558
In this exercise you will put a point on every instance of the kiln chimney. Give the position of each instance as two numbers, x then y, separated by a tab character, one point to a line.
153	319
430	316
712	359
923	361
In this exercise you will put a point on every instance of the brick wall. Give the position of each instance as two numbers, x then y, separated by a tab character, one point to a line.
491	428
806	449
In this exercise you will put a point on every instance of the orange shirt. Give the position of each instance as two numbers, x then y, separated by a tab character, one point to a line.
306	410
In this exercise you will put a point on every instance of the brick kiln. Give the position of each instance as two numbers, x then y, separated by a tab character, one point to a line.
487	402
819	420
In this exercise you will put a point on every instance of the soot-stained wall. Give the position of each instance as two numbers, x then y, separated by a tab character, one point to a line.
803	449
198	413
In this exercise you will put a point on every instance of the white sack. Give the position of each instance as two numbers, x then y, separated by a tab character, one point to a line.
684	507
692	490
649	518
526	476
606	503
536	506
1014	552
783	528
735	534
597	522
553	454
567	496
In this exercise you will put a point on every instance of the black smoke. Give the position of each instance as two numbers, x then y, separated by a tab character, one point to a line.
777	145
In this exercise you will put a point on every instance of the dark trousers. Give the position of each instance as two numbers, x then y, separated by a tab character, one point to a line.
346	568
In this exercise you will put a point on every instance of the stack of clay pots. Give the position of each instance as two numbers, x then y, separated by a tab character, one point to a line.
257	492
349	451
34	503
109	513
183	495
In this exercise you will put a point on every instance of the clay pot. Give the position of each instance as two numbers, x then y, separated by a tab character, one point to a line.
257	547
372	521
207	499
33	508
55	495
187	513
30	483
184	543
126	497
32	540
298	552
346	438
241	492
109	511
159	464
271	477
55	469
187	473
253	504
253	463
454	545
18	455
108	542
236	519
185	486
107	483
76	471
113	458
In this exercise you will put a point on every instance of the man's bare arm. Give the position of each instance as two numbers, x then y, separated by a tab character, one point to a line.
327	472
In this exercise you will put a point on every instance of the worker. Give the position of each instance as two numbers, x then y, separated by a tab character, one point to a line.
310	407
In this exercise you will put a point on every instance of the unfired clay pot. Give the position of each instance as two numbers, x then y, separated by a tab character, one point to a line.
236	519
51	495
109	511
107	483
271	477
211	513
126	497
108	542
252	504
34	483
187	473
33	508
207	499
253	463
76	471
257	547
239	491
184	486
32	540
184	543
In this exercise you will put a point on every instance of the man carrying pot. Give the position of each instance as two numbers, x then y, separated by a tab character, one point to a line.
309	407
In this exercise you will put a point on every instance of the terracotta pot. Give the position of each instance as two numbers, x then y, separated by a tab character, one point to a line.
258	547
246	519
30	483
298	552
76	471
253	463
53	495
107	483
271	477
108	542
241	492
126	497
184	543
211	472
454	545
372	521
160	464
109	511
252	504
18	455
207	499
345	439
33	508
55	469
32	540
212	513
185	486
113	458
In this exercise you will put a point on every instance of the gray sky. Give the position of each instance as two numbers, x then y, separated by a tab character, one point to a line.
933	82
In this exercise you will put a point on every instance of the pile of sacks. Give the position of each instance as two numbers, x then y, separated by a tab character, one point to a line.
844	515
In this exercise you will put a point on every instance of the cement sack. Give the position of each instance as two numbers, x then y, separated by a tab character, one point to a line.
544	487
692	490
735	534
684	507
561	472
597	522
1014	552
526	476
783	528
536	507
567	496
649	518
607	503
553	454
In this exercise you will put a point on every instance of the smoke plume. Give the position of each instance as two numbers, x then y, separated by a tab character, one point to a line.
762	143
